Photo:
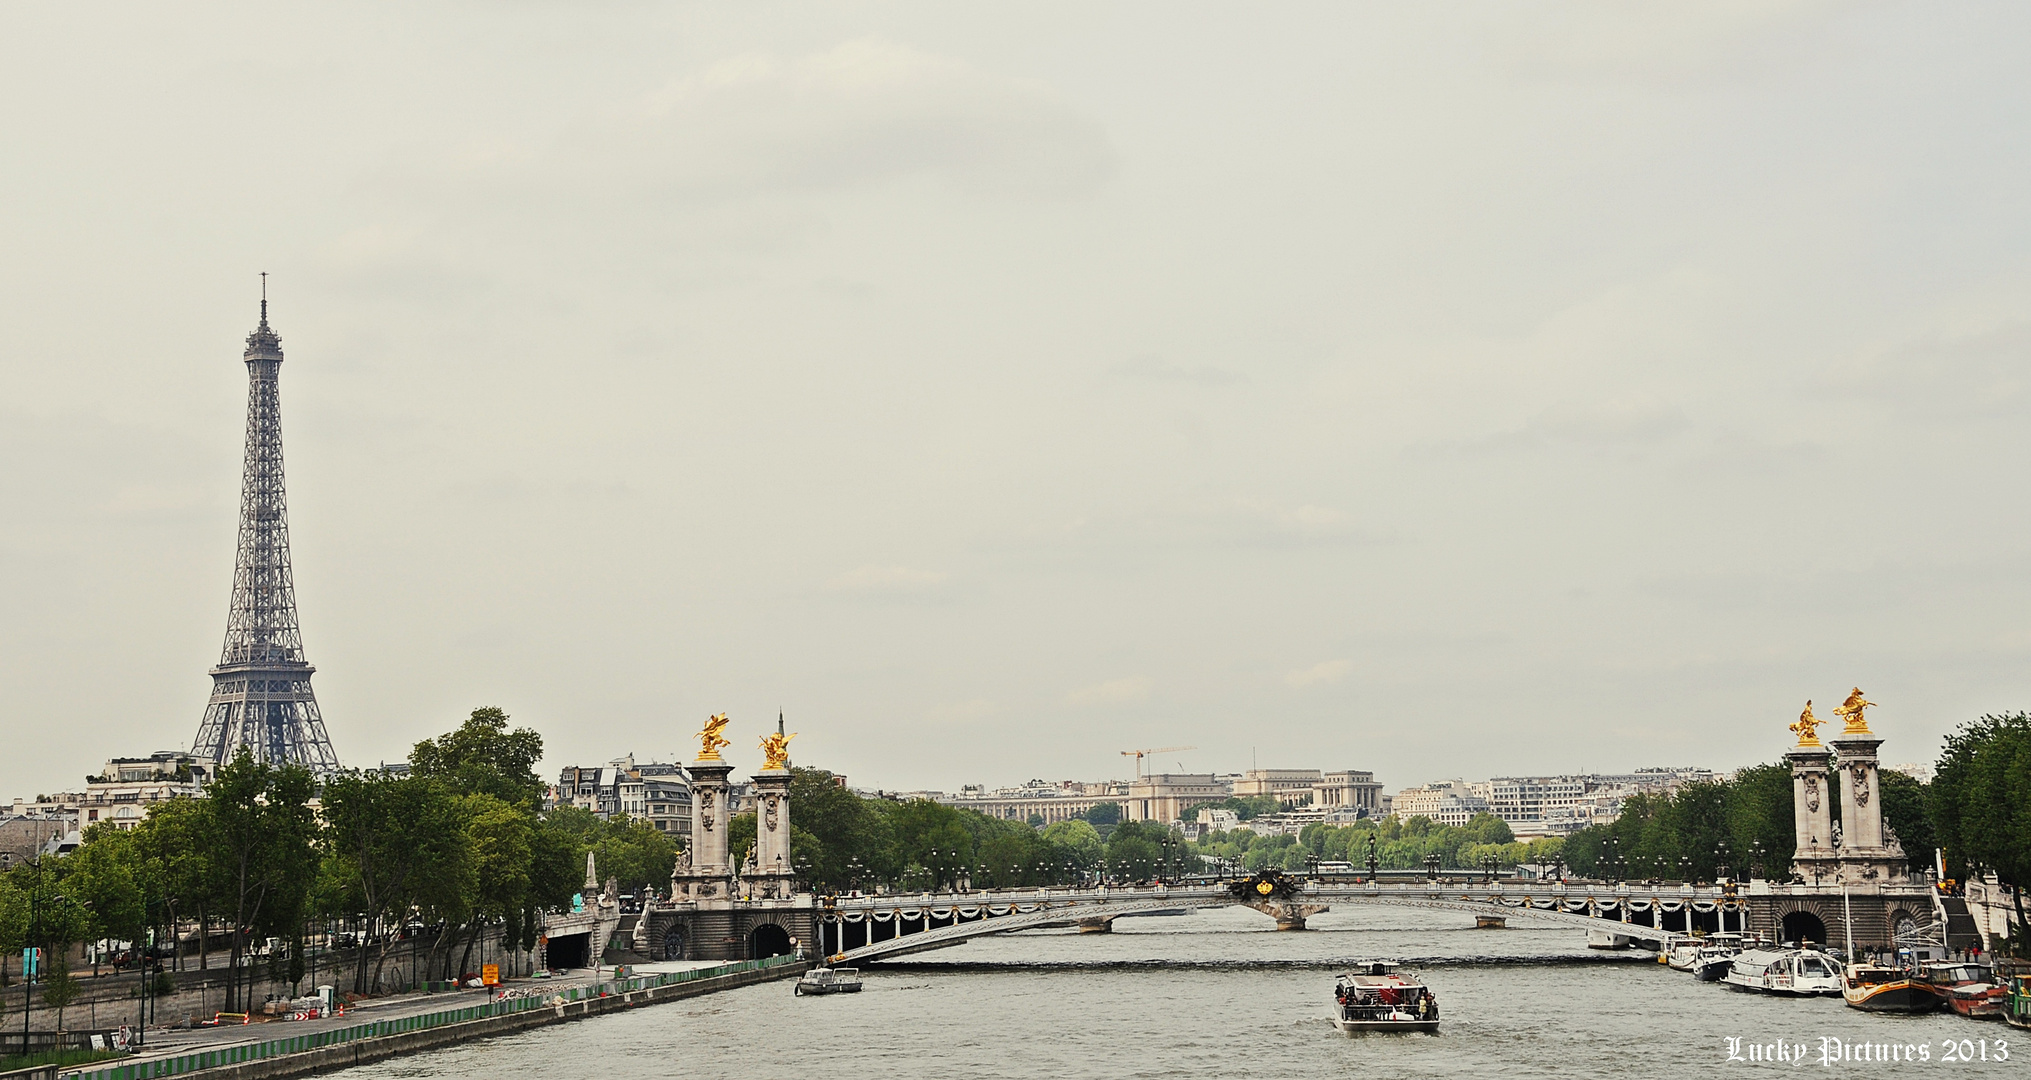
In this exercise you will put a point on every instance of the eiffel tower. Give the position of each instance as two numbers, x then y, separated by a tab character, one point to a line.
261	697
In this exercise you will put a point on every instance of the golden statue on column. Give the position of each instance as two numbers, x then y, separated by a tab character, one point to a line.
709	741
776	748
1807	723
1858	724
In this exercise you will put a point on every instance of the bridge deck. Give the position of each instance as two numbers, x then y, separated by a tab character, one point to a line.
1632	912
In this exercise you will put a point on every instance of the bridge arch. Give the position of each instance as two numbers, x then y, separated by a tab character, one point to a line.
766	939
1803	926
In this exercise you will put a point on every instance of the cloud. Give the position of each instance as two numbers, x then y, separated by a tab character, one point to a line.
961	711
887	579
1113	692
1942	378
1330	671
1650	41
1612	423
1158	369
1304	524
864	111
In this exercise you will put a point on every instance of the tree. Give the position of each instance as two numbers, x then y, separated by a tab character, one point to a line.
385	835
1133	858
1079	841
1981	802
176	871
1245	807
741	830
500	838
484	757
930	836
13	915
1904	811
59	987
1106	813
843	829
266	862
102	875
1760	819
636	854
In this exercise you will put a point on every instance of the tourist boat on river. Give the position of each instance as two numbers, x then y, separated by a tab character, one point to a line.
1966	986
1680	953
828	980
1793	972
1707	958
1717	955
1881	988
1375	997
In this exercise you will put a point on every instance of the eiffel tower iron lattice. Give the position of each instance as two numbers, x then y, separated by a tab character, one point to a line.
261	696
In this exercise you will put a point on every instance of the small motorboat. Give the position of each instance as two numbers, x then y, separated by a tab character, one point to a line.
2017	1006
828	980
1792	972
1681	953
1967	987
1375	997
1713	957
1880	988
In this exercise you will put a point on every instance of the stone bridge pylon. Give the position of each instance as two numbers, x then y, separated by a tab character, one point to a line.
717	911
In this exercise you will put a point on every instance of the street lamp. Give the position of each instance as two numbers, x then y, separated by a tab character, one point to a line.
28	971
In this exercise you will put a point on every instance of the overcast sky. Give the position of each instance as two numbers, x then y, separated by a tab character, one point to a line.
1441	390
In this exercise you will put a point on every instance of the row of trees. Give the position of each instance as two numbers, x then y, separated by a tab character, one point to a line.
1398	845
457	844
1980	804
840	841
1738	826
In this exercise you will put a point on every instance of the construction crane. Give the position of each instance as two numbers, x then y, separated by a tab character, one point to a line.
1138	755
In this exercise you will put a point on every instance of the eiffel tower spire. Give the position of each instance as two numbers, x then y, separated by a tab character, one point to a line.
261	696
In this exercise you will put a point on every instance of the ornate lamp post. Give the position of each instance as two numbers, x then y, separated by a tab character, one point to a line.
1721	866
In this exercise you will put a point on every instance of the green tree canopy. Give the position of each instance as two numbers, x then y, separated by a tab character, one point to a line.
1980	802
483	757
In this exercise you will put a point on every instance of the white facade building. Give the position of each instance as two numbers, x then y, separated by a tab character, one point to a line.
1448	802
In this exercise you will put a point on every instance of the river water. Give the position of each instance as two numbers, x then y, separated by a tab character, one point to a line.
1220	993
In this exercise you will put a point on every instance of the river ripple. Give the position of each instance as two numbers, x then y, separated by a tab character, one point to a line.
1216	993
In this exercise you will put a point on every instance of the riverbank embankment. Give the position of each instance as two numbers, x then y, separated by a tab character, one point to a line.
336	1048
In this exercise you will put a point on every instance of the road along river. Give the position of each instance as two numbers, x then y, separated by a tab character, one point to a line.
1219	993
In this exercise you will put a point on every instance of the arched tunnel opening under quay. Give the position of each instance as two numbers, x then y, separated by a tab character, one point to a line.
768	940
1802	927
